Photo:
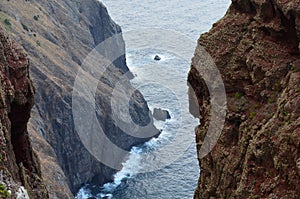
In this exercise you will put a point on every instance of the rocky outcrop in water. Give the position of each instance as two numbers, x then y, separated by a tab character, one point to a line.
157	58
58	35
161	114
20	172
256	48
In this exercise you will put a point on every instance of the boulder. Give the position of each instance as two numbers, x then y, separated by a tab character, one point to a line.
157	58
160	114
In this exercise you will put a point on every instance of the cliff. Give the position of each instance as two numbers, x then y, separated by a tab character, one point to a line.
256	49
20	172
58	35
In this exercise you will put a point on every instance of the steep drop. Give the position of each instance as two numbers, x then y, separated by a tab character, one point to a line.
256	48
58	35
20	172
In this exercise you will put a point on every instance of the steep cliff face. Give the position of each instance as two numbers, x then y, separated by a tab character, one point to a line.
20	172
58	35
256	49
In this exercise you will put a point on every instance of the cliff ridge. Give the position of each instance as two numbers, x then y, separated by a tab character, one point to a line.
58	36
20	172
256	49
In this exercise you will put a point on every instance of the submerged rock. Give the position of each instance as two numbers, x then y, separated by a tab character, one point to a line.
160	114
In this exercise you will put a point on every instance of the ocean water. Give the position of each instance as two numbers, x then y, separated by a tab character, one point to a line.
165	167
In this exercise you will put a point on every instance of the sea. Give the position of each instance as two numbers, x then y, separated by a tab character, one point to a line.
165	167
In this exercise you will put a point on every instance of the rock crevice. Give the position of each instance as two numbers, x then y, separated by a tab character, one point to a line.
19	165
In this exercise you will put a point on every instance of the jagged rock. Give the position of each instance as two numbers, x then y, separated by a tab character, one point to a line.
66	32
157	58
160	114
255	47
20	172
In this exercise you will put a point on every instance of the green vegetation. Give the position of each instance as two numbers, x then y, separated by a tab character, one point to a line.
38	43
289	118
25	27
0	157
36	17
7	22
248	128
242	105
271	100
270	174
3	191
293	68
252	115
240	108
238	95
288	140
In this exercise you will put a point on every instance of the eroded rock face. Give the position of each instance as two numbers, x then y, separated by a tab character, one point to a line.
58	35
255	47
19	165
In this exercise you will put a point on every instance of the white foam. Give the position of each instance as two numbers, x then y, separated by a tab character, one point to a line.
83	193
130	168
133	165
22	193
108	196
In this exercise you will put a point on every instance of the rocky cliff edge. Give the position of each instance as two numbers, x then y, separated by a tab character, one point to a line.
256	49
58	35
20	172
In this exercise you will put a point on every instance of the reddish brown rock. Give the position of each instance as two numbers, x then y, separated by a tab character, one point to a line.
255	47
58	36
19	165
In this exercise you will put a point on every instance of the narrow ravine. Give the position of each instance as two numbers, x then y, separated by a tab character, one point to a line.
154	79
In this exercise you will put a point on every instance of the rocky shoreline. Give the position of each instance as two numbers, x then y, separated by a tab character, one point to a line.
58	35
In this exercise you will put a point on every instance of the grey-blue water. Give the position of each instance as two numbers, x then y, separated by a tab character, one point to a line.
163	84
